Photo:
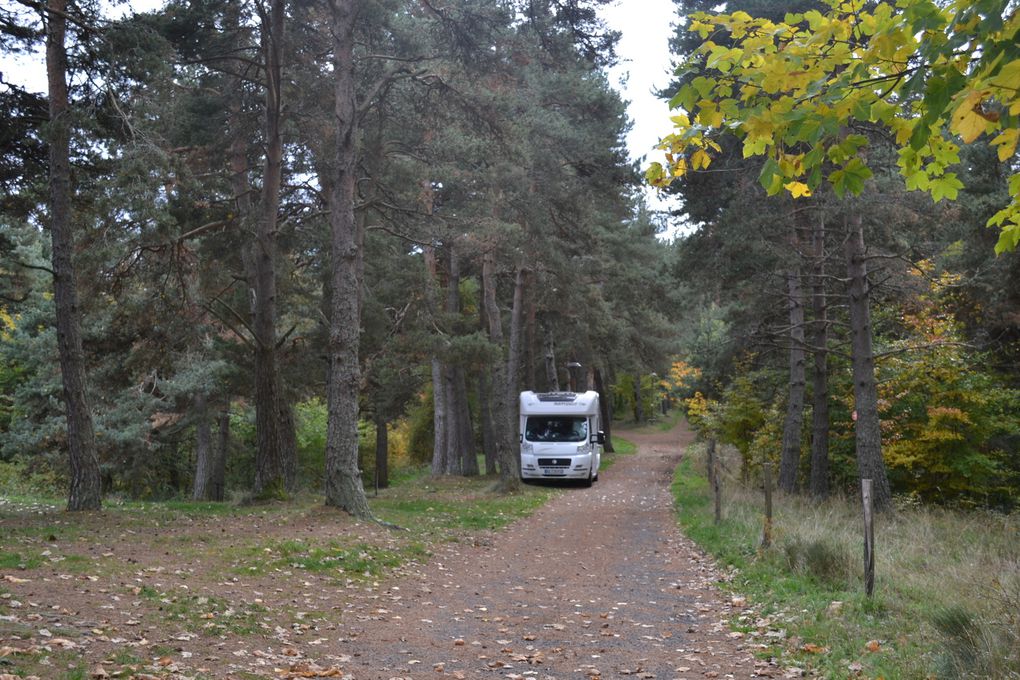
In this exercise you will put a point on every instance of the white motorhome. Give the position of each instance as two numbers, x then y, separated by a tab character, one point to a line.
561	437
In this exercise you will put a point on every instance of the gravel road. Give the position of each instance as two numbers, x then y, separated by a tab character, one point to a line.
598	583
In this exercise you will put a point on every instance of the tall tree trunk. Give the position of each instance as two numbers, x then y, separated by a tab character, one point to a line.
789	462
461	454
344	488
583	381
507	456
552	376
440	419
288	443
244	208
204	453
85	488
269	463
820	376
513	364
867	430
531	366
218	473
639	407
488	435
452	454
382	452
605	410
468	456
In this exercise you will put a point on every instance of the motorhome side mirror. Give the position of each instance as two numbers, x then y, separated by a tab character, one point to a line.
599	437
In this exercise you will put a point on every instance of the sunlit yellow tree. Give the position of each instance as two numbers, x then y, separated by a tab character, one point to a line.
810	93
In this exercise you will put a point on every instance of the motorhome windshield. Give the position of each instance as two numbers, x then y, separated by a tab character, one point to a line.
556	429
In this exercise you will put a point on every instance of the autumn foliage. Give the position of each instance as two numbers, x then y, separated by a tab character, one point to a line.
803	92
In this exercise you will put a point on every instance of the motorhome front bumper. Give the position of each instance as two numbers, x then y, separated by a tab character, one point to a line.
556	467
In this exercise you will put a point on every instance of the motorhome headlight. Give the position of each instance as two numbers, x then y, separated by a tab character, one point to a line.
583	448
526	447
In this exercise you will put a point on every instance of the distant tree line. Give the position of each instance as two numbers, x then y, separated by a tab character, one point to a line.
844	326
236	237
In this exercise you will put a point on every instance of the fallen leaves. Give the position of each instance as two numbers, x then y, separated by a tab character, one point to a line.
308	669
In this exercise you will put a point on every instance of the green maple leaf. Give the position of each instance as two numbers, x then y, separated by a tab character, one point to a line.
947	186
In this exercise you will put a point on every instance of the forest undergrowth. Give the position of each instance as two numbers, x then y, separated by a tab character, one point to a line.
947	593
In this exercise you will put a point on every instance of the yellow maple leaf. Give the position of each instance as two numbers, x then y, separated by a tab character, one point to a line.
700	159
1007	141
968	122
681	120
797	189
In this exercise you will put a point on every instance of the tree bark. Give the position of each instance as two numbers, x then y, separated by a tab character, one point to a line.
552	376
204	453
343	480
461	449
605	410
507	457
382	453
513	365
85	488
789	462
269	463
288	442
440	420
452	446
639	407
820	377
468	457
867	429
218	473
531	341
488	435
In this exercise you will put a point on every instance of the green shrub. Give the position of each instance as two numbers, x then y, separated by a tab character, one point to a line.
422	433
20	479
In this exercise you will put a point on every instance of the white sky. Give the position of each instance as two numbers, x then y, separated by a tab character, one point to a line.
646	27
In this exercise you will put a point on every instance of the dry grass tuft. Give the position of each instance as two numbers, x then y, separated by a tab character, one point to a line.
952	577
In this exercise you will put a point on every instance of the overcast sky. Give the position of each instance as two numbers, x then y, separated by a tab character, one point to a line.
646	26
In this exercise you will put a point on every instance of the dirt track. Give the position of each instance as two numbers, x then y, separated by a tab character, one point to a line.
598	583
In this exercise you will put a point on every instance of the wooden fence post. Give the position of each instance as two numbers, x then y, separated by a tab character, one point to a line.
766	533
710	461
869	538
713	479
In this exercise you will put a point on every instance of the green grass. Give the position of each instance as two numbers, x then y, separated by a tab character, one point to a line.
205	614
335	558
20	560
623	447
171	511
669	421
79	672
947	585
472	510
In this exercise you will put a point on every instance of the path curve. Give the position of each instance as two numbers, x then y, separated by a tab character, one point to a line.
597	583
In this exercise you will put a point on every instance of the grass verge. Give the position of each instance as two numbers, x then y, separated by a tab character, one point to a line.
622	447
947	587
443	506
